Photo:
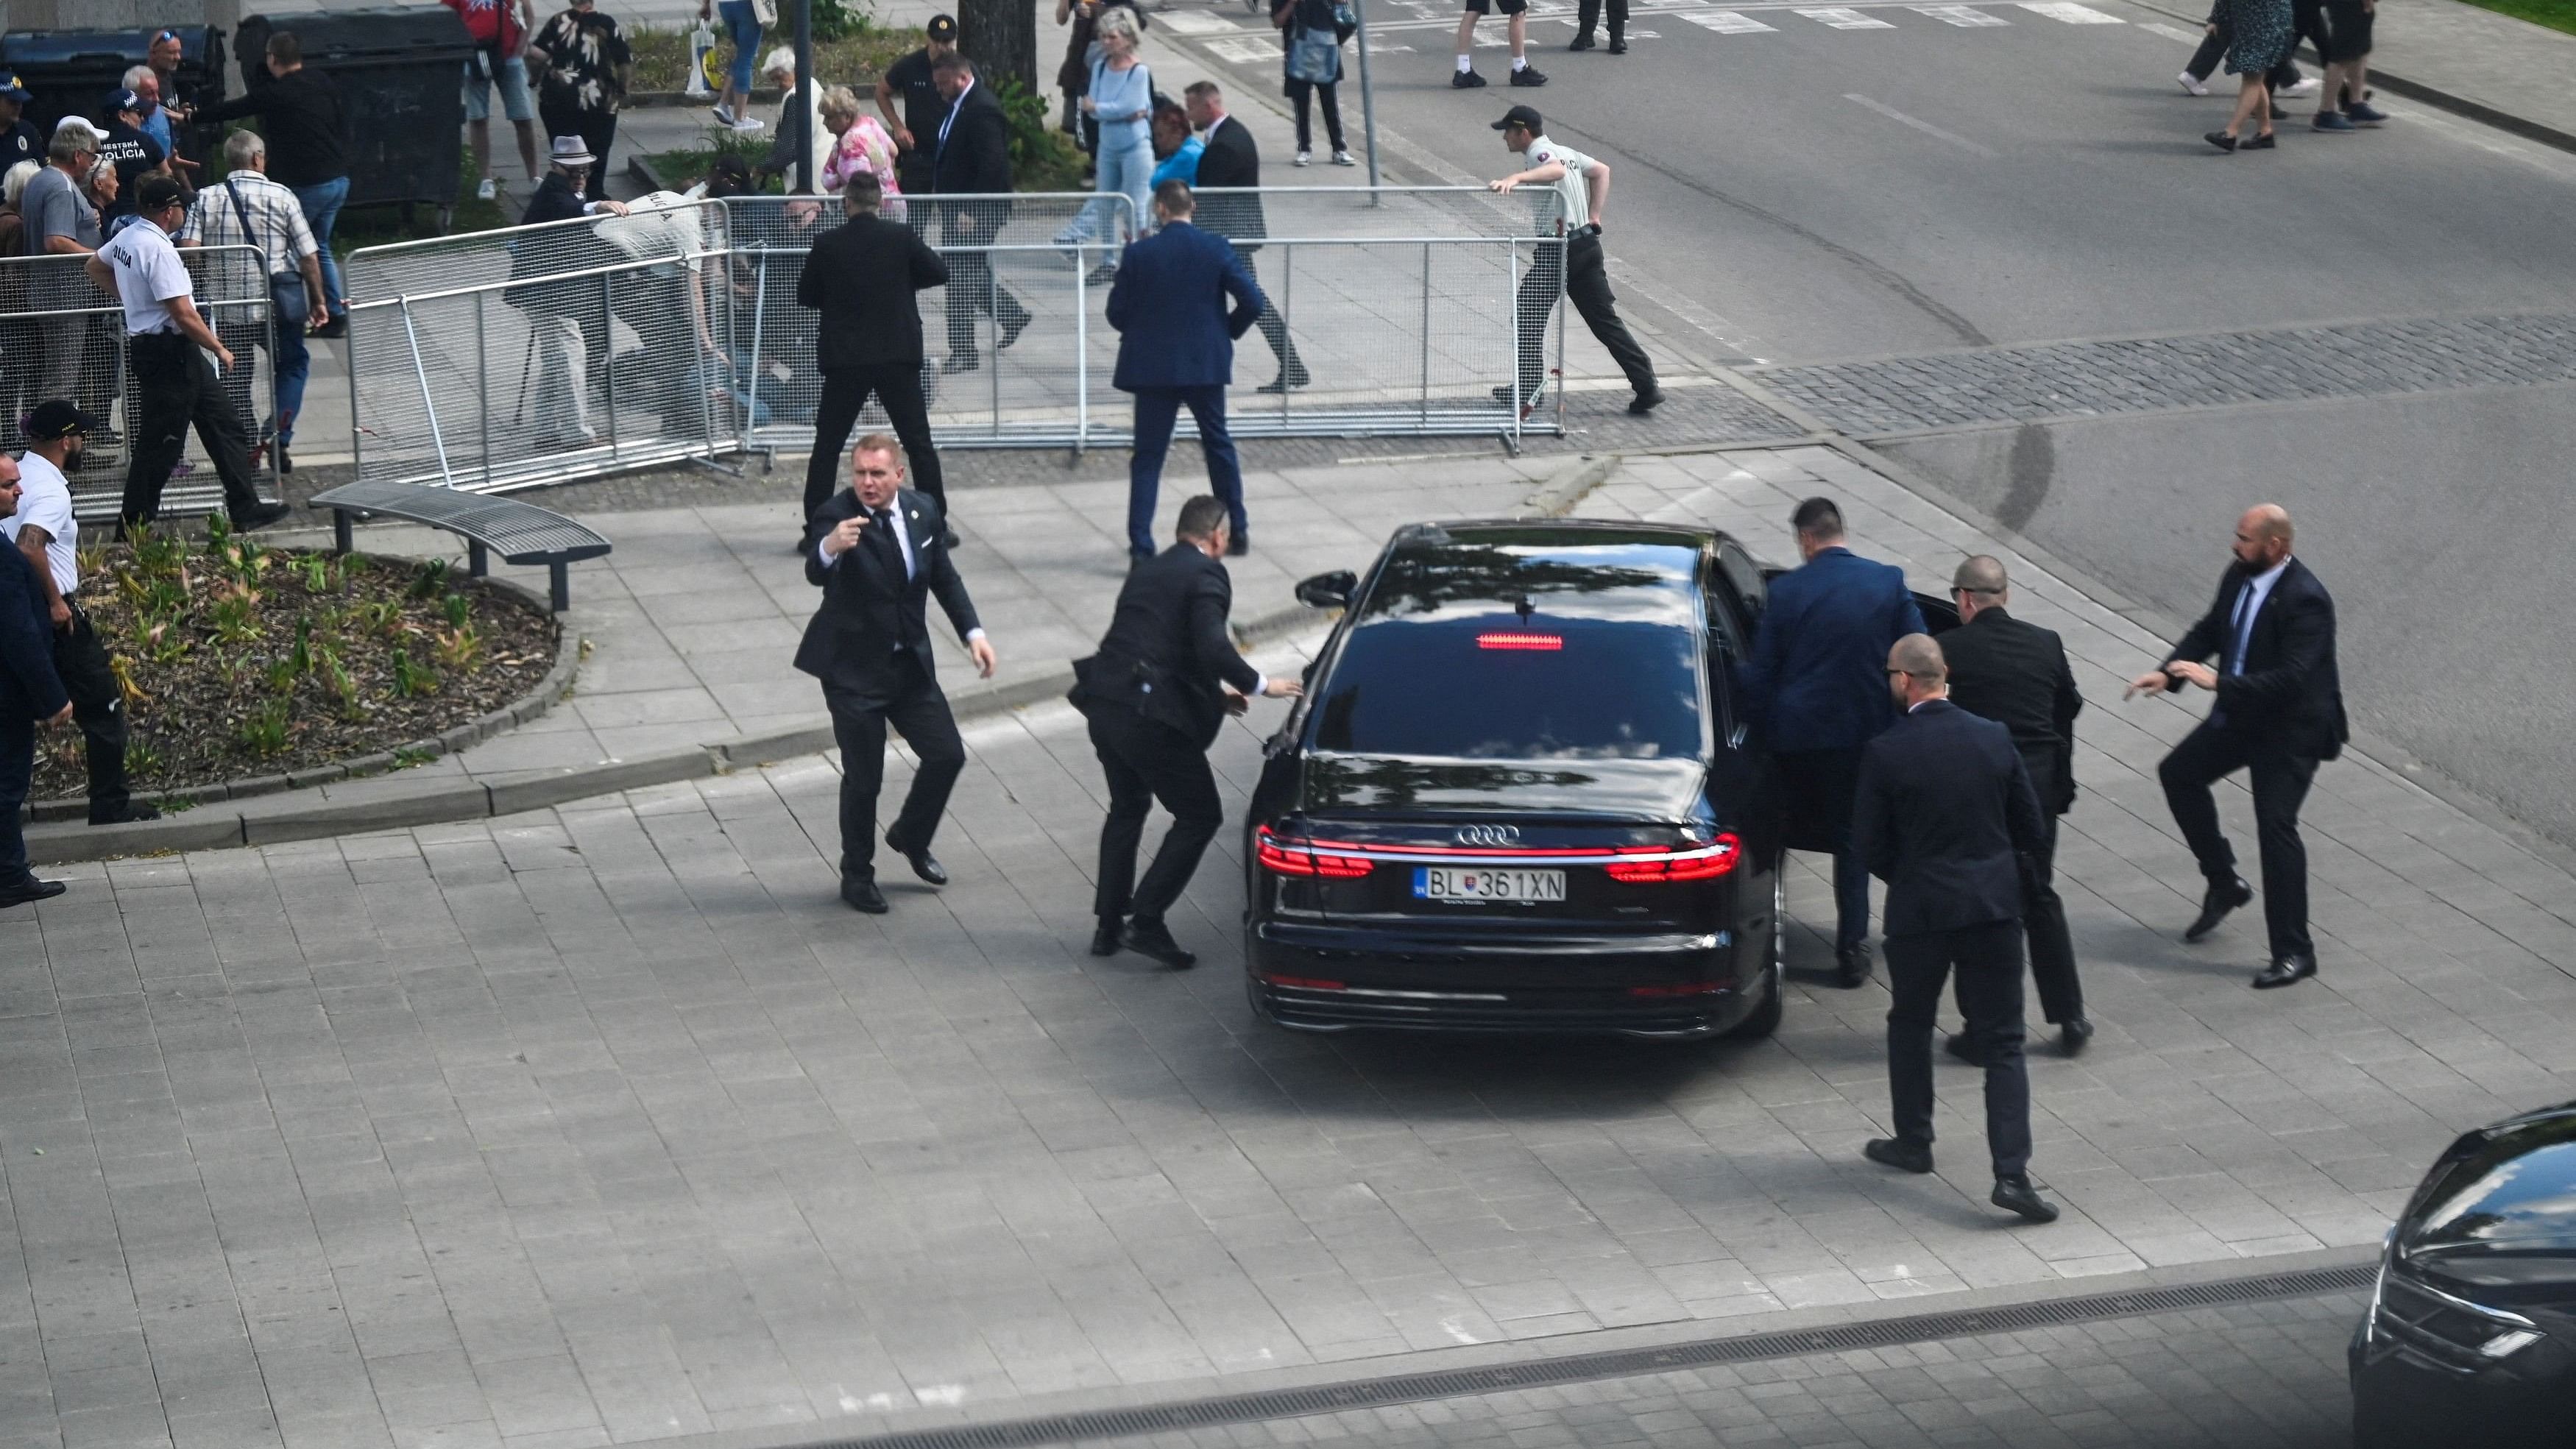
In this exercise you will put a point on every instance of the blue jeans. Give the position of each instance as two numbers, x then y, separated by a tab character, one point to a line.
1157	408
1125	169
17	772
294	360
743	24
322	202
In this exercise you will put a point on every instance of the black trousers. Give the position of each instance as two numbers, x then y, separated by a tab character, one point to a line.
972	289
845	392
1273	324
597	130
2052	949
1988	960
1586	282
1299	93
178	388
1587	13
2280	783
918	712
98	707
1147	762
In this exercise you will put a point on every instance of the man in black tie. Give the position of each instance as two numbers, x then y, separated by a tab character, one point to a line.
1231	167
1944	814
971	156
2279	716
875	551
861	276
2016	675
1155	696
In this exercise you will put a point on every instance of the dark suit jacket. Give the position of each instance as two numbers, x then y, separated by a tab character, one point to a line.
2016	675
1167	650
1169	305
1818	674
556	200
974	159
861	276
1231	159
2290	697
869	607
29	687
1944	814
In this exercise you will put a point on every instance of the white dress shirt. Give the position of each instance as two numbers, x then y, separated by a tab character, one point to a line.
902	540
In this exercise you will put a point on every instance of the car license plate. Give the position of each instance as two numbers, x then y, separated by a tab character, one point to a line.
1447	883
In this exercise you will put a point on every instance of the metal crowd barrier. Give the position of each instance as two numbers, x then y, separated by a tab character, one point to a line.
63	337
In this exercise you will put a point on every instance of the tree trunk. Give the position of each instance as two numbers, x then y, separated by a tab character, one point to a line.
1001	37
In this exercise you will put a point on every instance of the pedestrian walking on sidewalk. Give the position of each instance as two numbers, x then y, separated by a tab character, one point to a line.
1120	96
1568	262
167	343
743	20
2261	38
2279	715
1230	167
301	116
1587	16
1166	676
2284	79
1311	33
862	278
876	554
1523	73
1815	682
923	105
2346	103
583	64
499	30
1944	813
248	209
1181	300
2016	674
30	693
45	529
971	157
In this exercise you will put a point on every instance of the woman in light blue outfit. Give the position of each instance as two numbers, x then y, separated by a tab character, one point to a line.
1122	100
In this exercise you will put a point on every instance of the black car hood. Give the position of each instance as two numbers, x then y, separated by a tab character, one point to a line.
1336	784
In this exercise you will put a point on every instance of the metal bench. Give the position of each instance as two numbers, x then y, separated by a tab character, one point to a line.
522	533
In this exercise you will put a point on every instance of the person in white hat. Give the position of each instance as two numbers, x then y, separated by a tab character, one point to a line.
556	310
560	196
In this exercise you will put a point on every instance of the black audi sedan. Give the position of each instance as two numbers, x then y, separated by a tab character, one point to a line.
1518	794
2471	1333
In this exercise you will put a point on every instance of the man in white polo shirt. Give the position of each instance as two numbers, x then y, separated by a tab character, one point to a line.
1575	265
167	344
45	529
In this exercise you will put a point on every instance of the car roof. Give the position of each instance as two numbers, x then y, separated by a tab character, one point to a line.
1568	568
1569	532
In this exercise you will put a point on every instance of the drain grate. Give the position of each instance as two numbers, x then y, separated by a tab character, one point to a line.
1622	1363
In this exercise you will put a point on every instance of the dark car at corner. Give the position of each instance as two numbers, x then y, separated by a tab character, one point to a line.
1519	795
2471	1333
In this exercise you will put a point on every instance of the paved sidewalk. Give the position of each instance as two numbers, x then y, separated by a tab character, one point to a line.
607	1123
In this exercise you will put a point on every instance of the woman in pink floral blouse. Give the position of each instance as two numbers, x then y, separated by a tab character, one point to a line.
863	145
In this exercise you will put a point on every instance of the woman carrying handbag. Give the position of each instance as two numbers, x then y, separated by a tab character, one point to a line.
1312	32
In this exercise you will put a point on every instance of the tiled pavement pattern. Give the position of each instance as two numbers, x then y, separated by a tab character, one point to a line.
609	1123
2088	379
2265	1374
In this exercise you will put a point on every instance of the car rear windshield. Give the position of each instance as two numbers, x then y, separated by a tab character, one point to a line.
1486	647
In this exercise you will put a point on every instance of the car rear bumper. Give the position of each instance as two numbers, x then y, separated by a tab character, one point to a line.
2410	1397
1326	978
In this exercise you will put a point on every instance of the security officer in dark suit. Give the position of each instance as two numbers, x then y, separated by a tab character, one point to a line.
971	156
30	692
2016	675
1944	814
1156	695
875	552
861	276
2279	716
1232	162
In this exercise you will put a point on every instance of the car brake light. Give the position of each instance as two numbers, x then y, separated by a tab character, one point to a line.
1719	858
1281	857
1542	642
1302	983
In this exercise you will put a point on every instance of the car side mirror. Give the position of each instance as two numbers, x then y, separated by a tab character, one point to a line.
1328	591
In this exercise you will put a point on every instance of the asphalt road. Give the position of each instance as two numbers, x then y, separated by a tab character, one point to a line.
1833	188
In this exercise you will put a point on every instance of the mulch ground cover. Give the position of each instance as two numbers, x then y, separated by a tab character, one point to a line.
242	660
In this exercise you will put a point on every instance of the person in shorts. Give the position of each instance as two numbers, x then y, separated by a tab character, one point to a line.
500	31
2345	105
1523	73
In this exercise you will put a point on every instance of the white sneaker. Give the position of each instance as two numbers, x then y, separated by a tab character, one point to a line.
1304	158
724	114
488	190
1343	158
748	124
2308	85
2191	84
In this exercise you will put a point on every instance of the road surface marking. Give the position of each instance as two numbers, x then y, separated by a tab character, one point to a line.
1194	22
1926	127
1726	22
2069	12
1841	18
2173	32
1962	15
1242	50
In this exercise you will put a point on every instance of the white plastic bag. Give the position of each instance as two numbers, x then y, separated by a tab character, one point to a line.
702	59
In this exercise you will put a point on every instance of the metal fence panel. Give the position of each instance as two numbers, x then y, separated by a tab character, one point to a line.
61	336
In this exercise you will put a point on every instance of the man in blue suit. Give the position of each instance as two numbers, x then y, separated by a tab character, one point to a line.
1176	338
30	691
1817	682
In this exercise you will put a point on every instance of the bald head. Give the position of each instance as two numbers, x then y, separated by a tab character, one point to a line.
2263	536
1919	656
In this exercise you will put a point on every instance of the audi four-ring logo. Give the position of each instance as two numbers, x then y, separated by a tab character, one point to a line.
1489	834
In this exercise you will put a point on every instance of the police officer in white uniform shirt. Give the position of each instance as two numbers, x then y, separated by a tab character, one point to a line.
1580	187
45	530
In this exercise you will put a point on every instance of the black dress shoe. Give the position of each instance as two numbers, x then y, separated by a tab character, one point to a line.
957	362
1012	333
30	889
2015	1195
2073	1035
863	895
1964	1047
1618	45
261	517
1851	967
1108	936
2286	971
2220	139
924	864
2224	896
2263	142
1581	42
1285	381
1239	544
1646	402
949	540
1528	75
132	812
1153	938
336	327
1897	1152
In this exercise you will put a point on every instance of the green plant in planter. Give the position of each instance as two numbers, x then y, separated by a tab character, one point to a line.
381	616
431	581
235	618
142	759
160	554
459	648
160	639
412	681
344	690
299	660
317	575
281	676
459	609
266	733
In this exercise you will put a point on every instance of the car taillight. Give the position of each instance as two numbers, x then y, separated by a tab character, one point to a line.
1680	862
1541	643
1282	857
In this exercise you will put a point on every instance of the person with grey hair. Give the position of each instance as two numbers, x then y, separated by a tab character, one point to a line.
248	209
60	222
2016	674
862	279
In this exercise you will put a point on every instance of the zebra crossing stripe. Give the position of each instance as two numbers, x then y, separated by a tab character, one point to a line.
1962	15
1844	19
2070	13
1725	22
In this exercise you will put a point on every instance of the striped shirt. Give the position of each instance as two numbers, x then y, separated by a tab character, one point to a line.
276	222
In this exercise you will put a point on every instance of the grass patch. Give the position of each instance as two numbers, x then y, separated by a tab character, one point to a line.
2556	14
854	60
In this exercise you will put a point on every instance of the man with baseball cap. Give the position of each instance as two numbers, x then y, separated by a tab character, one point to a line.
923	106
45	529
1575	265
18	140
131	147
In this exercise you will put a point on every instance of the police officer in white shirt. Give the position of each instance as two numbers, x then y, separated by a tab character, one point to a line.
47	532
167	343
1580	187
